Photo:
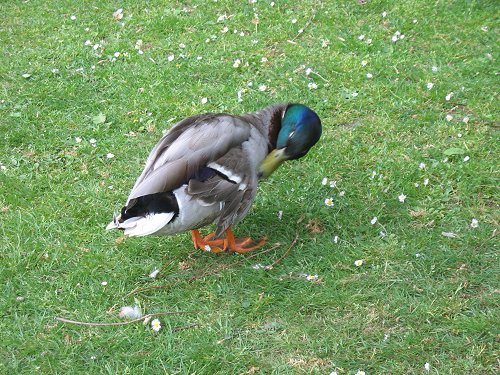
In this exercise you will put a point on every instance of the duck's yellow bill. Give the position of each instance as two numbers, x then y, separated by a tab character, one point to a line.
271	162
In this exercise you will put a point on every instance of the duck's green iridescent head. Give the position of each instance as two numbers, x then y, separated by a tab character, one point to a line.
300	130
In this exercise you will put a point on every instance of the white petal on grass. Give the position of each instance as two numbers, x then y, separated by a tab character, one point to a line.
384	14
427	367
359	262
361	37
156	325
259	266
449	96
465	120
430	85
308	71
426	182
139	44
204	100
312	86
324	181
449	117
421	165
333	184
336	239
374	220
104	283
262	88
118	14
130	312
236	63
449	234
474	223
364	63
312	277
466	158
154	273
434	69
239	94
73	18
170	57
402	198
109	155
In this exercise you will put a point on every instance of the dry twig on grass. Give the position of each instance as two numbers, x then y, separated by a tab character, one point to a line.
286	252
301	31
94	324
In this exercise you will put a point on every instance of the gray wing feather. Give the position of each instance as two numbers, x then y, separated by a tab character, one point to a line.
185	148
237	197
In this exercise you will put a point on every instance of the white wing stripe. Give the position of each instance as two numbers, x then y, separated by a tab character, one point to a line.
226	172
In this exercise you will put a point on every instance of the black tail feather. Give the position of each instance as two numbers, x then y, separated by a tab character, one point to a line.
150	204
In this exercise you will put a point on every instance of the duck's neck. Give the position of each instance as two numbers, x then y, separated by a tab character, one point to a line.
268	121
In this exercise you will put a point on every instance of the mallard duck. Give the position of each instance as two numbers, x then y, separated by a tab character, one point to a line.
206	170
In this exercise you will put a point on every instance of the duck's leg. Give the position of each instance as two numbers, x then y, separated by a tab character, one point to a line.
238	245
206	243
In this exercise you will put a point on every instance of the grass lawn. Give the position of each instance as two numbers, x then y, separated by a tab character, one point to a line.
408	96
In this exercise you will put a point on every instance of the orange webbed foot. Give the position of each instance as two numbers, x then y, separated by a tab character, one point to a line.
239	245
230	243
207	243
